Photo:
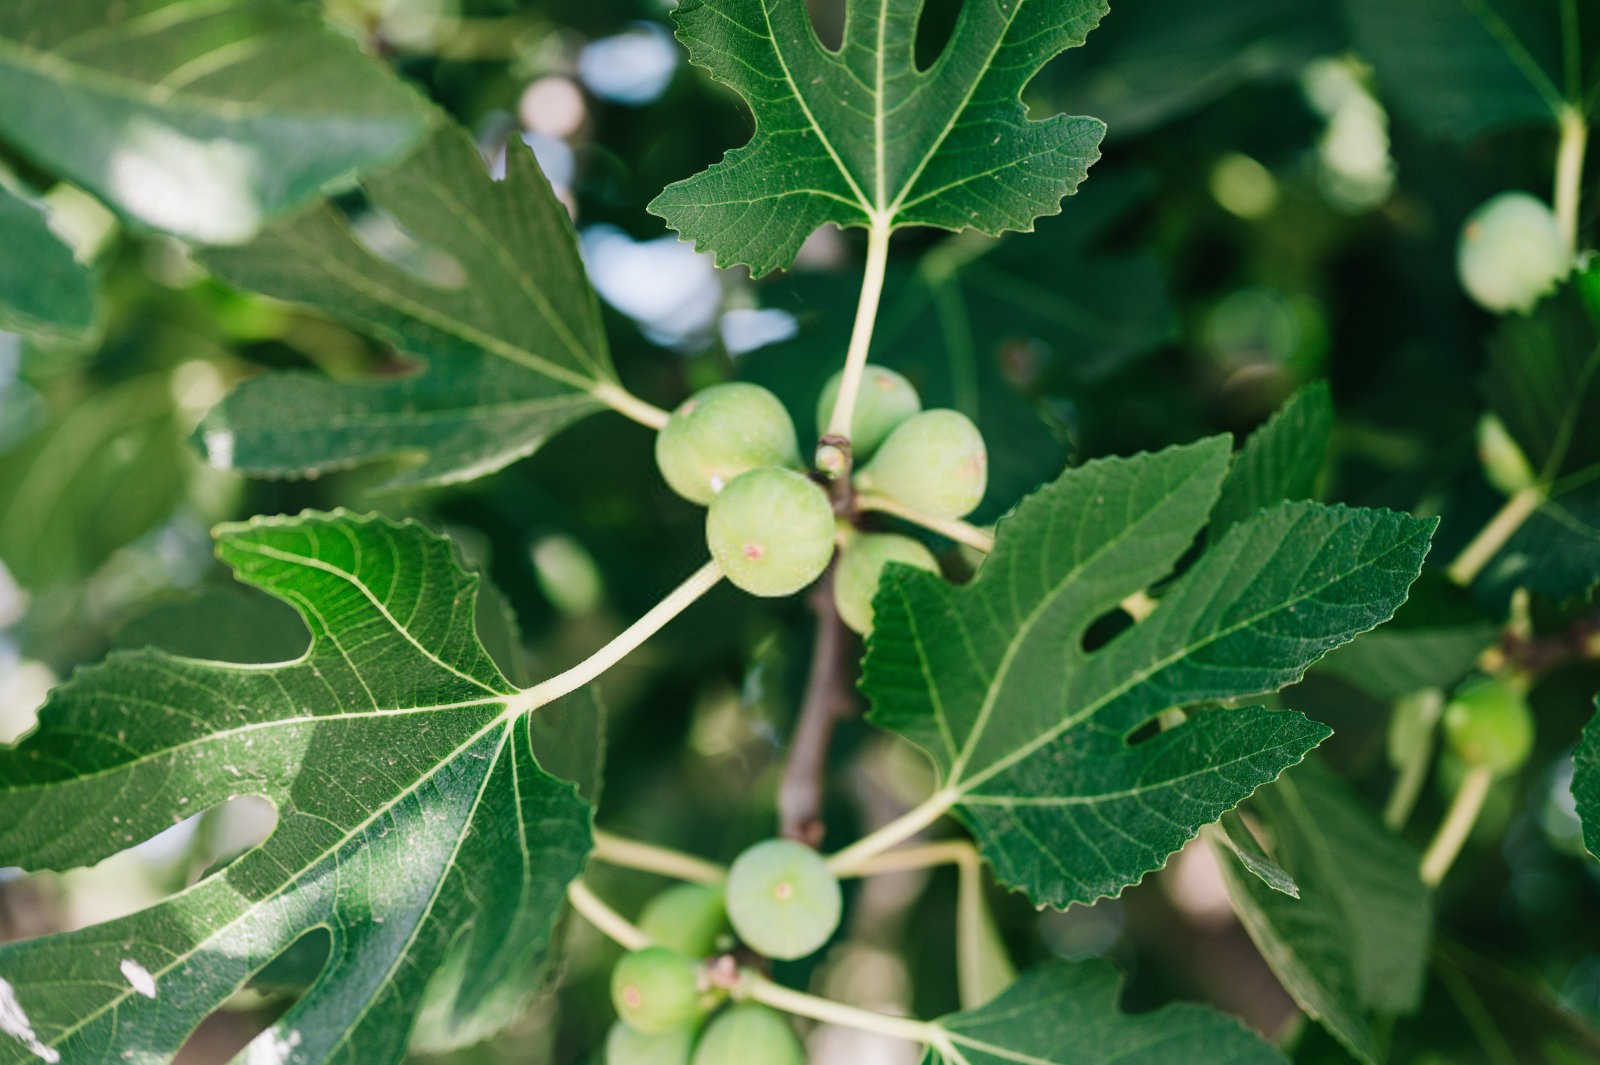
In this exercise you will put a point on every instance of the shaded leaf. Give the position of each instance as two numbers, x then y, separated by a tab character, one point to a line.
1030	733
200	119
44	290
1356	941
506	323
1067	1014
1586	783
861	134
1281	460
1236	838
414	821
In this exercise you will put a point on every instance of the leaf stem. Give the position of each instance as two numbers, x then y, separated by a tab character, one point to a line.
950	528
1493	536
647	857
626	403
852	859
754	985
1457	825
855	360
1569	173
680	598
603	917
1408	785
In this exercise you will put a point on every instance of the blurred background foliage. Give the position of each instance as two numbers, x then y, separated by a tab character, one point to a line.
1271	210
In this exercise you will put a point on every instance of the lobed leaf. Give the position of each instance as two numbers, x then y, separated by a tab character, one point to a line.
497	306
1279	461
1030	732
861	135
197	117
415	822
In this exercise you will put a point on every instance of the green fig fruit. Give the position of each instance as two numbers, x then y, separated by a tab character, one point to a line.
771	531
721	432
934	462
1488	723
629	1046
861	563
749	1034
783	899
1512	253
687	918
883	401
656	990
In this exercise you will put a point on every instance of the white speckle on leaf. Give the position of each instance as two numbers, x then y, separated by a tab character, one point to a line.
272	1047
15	1023
219	448
139	978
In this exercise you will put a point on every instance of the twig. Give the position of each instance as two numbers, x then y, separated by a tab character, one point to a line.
827	699
603	917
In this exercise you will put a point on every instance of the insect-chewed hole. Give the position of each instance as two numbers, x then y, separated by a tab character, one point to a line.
1103	629
827	18
934	27
268	995
1147	731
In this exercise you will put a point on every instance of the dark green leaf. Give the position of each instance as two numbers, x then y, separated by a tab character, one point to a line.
1030	732
414	821
1281	460
201	119
1067	1014
1586	783
495	302
861	134
1394	662
1356	941
1236	838
44	290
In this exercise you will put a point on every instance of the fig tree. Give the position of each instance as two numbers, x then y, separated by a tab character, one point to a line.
656	990
687	918
628	1046
749	1034
719	433
783	899
771	531
1511	253
883	401
855	579
934	462
1488	723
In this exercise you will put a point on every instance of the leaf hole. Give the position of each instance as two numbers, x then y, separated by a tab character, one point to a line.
827	19
935	26
269	994
383	237
1103	629
1145	732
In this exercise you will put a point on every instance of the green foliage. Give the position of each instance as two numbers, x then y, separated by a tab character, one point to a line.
185	116
493	300
1586	784
413	818
782	898
44	291
1355	942
1029	731
1280	461
863	137
860	568
1066	1014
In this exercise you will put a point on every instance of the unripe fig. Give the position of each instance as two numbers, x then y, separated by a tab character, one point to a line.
783	899
719	433
1488	723
934	462
855	579
749	1034
771	531
687	918
1511	253
656	990
883	400
628	1046
1504	464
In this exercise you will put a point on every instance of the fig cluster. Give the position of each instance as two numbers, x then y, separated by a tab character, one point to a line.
781	900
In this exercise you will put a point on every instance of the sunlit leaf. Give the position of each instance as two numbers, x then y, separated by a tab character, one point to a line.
44	291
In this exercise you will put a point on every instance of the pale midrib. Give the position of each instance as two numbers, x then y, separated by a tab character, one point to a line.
291	879
1139	677
1517	52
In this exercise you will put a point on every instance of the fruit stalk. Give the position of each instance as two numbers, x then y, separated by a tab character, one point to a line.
951	528
594	910
629	405
855	360
1457	825
647	857
827	699
759	988
1493	536
1569	173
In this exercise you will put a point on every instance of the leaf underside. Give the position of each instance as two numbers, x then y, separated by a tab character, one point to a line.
861	134
1030	732
1067	1014
1356	941
202	119
505	322
415	823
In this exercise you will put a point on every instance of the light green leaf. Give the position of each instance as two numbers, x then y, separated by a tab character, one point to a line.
1586	782
1281	460
44	290
1234	836
414	820
197	117
1356	941
1030	733
1067	1014
493	298
861	136
1460	68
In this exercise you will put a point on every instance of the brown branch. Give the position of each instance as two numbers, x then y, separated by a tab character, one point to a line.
828	698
